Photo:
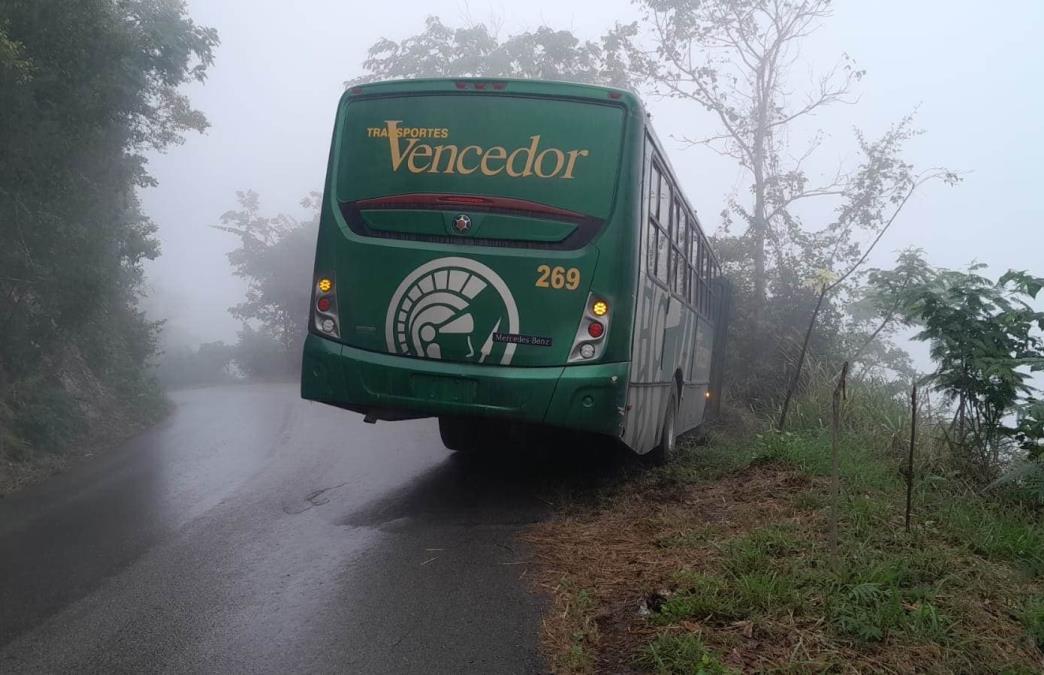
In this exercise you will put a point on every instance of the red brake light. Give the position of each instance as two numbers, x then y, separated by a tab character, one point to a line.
465	199
595	329
324	304
436	200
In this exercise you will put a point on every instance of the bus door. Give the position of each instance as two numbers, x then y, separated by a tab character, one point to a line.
671	353
671	266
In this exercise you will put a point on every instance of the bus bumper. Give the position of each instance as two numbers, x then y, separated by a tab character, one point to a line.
587	398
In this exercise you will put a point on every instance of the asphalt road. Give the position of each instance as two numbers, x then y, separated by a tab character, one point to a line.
255	532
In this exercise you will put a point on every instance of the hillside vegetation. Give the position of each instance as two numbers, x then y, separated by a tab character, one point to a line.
722	561
88	88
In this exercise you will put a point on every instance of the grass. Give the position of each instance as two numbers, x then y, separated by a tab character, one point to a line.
682	654
582	630
1033	620
1007	534
726	549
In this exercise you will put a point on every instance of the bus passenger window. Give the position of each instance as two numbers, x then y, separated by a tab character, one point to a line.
662	246
653	199
694	284
679	227
650	262
654	191
665	202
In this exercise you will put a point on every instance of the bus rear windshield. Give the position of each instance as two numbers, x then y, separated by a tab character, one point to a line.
555	152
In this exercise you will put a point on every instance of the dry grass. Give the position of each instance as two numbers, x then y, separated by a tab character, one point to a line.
622	554
738	565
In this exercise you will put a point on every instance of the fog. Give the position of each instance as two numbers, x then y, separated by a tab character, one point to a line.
972	74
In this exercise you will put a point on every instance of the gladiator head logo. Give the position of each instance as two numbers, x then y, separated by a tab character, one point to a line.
450	308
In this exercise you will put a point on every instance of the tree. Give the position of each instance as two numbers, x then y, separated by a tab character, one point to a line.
87	88
872	200
476	51
737	60
275	257
262	357
986	341
734	58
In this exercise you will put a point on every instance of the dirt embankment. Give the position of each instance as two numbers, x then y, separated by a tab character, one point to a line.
678	572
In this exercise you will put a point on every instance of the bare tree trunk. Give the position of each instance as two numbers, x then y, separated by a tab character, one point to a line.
758	167
801	361
910	459
759	227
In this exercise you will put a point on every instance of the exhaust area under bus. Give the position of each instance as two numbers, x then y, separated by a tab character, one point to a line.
385	387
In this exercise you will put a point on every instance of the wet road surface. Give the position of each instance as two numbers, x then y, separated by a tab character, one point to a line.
255	532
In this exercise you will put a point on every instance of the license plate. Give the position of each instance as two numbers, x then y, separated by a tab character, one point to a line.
448	389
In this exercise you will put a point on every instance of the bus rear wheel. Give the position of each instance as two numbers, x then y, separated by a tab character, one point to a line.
461	434
665	451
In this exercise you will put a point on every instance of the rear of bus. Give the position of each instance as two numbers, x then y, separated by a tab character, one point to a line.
477	254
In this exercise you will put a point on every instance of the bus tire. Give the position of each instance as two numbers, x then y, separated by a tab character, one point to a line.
460	434
665	451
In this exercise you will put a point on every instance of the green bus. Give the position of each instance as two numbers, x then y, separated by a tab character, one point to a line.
496	252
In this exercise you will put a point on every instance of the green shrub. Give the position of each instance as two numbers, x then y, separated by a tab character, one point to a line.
47	418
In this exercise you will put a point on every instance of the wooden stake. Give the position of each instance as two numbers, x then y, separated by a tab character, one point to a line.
910	458
839	395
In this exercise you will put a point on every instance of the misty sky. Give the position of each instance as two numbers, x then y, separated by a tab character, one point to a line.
973	70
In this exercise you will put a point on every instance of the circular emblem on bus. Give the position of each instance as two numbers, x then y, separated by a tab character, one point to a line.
452	308
462	224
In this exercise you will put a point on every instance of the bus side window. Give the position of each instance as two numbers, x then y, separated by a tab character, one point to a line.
694	284
662	243
665	201
702	300
677	258
679	231
653	198
698	302
706	275
687	262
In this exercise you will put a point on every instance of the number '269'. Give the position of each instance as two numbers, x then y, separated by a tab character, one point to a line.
558	277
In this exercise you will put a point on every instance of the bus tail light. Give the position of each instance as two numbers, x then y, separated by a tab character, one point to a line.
325	319
589	342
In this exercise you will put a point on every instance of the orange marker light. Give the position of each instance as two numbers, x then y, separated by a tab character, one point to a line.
325	285
600	308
